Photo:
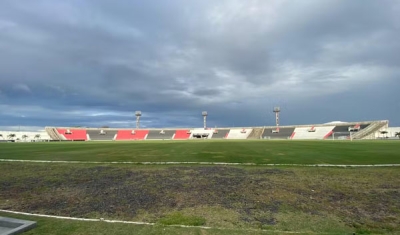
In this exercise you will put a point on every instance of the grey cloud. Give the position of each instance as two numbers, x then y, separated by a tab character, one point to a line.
236	59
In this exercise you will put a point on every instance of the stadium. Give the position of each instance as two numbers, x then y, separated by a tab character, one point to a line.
259	117
329	131
307	179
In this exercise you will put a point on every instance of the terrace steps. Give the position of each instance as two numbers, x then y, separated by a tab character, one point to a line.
368	132
256	134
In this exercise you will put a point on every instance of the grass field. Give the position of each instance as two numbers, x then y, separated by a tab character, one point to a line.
260	152
231	200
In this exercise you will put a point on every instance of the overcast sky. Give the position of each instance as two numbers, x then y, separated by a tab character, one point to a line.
95	62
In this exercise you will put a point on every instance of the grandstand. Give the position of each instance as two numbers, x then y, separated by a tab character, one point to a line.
332	130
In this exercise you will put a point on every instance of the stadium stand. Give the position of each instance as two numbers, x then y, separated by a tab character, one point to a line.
342	132
332	130
241	133
220	133
312	132
72	134
370	130
102	134
256	133
160	134
284	133
131	134
182	134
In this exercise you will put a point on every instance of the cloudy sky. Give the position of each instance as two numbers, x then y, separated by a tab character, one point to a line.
93	63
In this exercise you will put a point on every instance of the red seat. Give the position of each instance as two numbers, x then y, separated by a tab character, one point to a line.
73	134
130	135
182	134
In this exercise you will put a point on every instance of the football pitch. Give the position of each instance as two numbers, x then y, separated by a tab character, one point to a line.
215	199
229	151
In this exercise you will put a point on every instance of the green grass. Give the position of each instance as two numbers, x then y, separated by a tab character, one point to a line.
68	227
178	218
258	151
231	200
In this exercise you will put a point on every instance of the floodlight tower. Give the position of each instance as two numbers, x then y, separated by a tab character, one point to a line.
205	114
277	110
138	114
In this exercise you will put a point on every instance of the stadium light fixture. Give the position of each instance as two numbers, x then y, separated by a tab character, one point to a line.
277	110
205	114
138	114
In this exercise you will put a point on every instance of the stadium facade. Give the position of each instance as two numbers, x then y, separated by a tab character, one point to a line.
332	130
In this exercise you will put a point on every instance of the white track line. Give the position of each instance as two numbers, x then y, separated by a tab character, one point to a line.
145	223
200	163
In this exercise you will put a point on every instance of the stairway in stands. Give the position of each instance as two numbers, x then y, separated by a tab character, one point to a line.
52	132
369	131
256	134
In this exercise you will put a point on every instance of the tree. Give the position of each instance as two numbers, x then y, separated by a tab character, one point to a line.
37	136
397	134
11	136
24	137
384	133
1	135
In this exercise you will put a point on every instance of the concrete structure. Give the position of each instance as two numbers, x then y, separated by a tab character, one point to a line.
332	130
9	226
24	136
388	133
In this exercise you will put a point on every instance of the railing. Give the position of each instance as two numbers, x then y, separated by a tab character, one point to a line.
51	131
370	130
